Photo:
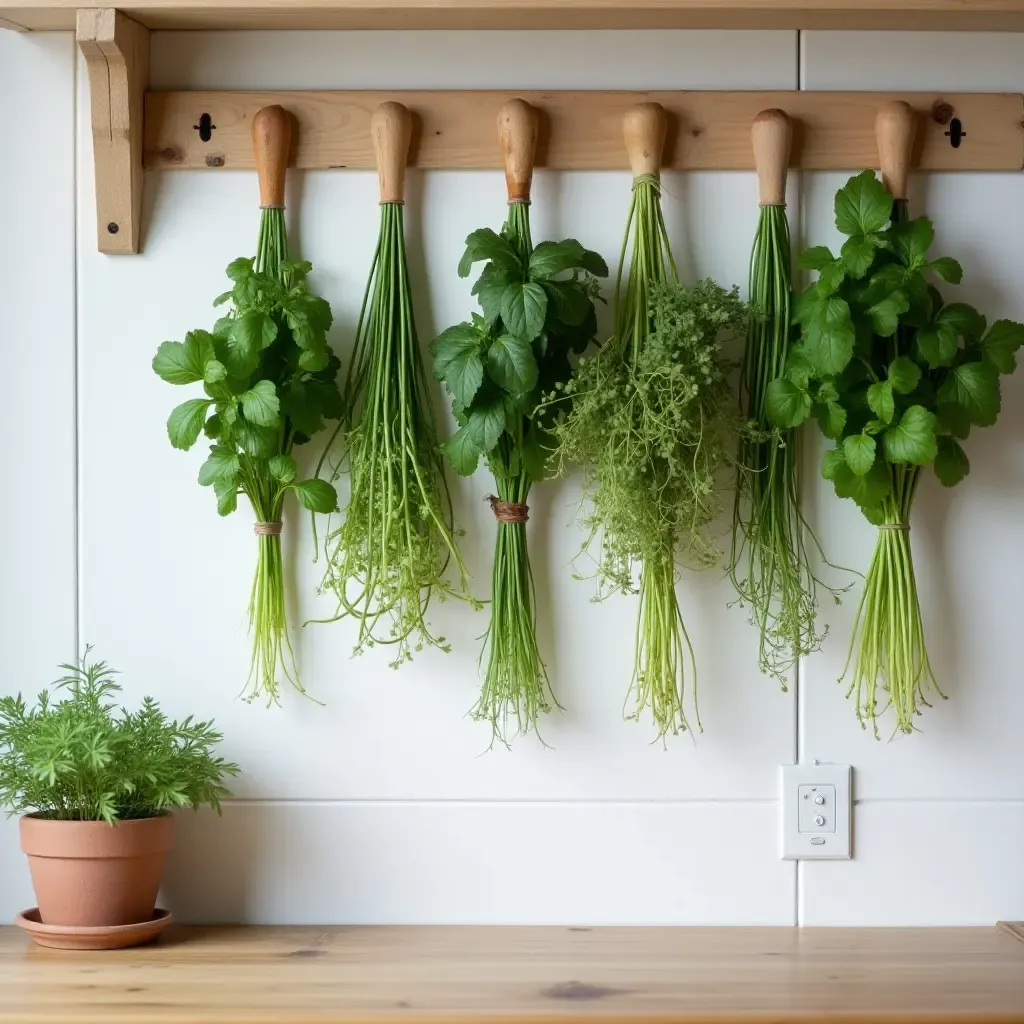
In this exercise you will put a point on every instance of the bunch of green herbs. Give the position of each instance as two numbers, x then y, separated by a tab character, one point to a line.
897	378
269	380
538	311
80	758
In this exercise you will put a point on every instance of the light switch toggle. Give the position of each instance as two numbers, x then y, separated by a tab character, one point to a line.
817	809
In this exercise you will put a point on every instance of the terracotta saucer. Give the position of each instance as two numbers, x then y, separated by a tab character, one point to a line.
60	936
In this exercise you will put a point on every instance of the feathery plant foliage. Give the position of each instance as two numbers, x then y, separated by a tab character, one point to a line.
80	758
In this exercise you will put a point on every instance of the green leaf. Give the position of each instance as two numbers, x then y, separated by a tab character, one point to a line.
863	205
832	277
965	320
912	439
999	346
316	495
831	418
868	490
538	446
259	328
904	375
486	244
816	258
911	241
260	404
186	422
953	420
951	462
787	404
859	451
306	309
974	388
257	442
873	427
829	336
832	462
184	362
948	269
462	452
510	364
282	468
214	372
937	344
221	464
858	253
881	401
523	308
243	344
885	315
551	258
489	288
457	362
594	263
568	300
485	423
227	496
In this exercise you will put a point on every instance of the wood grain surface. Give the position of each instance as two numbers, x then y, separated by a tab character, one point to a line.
921	15
583	130
535	975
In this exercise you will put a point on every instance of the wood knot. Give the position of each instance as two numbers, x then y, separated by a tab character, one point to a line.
696	131
215	161
578	990
942	112
306	954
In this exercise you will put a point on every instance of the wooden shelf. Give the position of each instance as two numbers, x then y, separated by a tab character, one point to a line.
534	975
919	15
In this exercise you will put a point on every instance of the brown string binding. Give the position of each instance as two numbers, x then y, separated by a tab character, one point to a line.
267	529
508	511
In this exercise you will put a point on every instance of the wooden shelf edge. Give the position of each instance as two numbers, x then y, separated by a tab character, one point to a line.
916	15
1015	928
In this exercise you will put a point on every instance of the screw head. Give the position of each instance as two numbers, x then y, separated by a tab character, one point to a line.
112	228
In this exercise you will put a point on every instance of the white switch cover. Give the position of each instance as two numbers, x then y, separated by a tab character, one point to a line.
816	811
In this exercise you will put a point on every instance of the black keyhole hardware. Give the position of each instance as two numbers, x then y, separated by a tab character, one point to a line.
206	127
956	133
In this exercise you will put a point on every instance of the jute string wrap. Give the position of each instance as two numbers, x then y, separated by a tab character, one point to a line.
894	526
272	206
267	529
519	201
508	511
392	202
648	179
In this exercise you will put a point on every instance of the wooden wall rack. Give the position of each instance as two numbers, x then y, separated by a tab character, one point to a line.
133	129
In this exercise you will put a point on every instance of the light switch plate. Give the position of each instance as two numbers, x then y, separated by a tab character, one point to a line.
816	811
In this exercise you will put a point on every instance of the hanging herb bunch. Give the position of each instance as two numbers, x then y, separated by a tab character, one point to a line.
387	558
897	378
269	380
538	310
769	563
652	423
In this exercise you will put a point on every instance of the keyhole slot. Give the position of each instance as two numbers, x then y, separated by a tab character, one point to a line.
956	133
206	127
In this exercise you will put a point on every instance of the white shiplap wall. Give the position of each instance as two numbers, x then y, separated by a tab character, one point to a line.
379	808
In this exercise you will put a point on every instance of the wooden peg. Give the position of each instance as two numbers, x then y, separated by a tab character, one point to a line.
271	144
517	135
391	129
645	128
895	130
116	52
772	137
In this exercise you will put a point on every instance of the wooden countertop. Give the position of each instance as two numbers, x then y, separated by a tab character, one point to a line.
539	975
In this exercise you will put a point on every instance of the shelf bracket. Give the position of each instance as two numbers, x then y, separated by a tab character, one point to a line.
116	52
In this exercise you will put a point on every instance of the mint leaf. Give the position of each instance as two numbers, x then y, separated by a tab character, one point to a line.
186	422
831	417
974	388
964	320
510	364
254	331
859	452
787	404
523	308
948	269
858	253
221	465
953	420
486	244
911	241
885	315
568	300
489	288
214	372
937	344
462	453
316	495
815	258
184	362
904	375
485	423
829	336
863	205
868	490
227	496
832	463
951	463
1000	345
912	439
260	404
551	258
457	362
881	401
282	468
831	277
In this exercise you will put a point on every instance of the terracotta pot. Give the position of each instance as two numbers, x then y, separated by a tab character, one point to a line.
89	873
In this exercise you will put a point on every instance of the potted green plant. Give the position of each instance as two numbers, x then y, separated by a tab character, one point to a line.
96	785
